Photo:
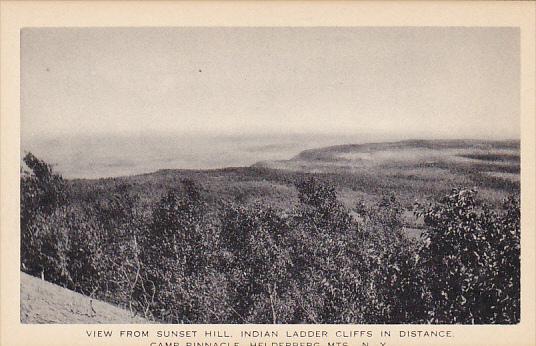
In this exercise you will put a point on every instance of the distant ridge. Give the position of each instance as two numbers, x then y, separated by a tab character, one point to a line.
410	144
464	161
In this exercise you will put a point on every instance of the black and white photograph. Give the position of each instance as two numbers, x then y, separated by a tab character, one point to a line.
270	175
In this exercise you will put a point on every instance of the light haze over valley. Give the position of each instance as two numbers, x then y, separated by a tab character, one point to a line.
108	102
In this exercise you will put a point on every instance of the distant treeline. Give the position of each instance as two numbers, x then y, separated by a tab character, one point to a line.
182	260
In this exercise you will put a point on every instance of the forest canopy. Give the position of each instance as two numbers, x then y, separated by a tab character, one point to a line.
186	258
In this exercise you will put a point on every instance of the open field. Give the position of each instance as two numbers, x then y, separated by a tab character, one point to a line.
416	165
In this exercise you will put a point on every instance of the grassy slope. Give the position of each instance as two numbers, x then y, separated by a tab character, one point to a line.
43	302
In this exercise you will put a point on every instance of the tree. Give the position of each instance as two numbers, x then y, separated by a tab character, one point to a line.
174	250
256	241
471	254
42	191
320	207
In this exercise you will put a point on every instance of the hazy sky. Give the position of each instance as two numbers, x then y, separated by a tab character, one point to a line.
422	82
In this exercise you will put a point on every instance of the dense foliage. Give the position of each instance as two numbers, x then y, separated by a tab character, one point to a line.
474	256
185	260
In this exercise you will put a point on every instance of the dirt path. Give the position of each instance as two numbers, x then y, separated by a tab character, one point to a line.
43	302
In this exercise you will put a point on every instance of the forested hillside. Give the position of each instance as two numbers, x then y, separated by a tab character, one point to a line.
281	245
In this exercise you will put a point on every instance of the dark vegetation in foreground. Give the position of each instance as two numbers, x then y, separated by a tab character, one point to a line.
188	258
